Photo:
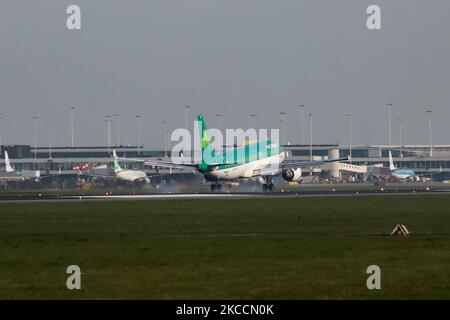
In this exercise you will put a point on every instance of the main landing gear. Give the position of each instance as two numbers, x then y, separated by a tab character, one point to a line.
216	188
268	186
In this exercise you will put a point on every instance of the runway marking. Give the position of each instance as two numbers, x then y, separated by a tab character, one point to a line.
227	196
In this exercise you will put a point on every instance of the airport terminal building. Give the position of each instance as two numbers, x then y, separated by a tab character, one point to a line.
61	160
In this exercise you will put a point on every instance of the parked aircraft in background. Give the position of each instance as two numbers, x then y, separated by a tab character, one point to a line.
402	174
10	174
127	174
397	174
381	172
82	167
116	172
405	174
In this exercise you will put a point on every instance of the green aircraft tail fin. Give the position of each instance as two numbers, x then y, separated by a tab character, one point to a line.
205	139
116	165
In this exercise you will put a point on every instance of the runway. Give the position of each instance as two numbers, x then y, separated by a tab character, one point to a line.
221	196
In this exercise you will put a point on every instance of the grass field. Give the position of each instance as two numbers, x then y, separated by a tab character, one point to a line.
305	248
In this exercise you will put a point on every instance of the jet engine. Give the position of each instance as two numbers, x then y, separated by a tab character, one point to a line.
291	174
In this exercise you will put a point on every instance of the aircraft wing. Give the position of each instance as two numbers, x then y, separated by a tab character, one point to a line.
427	173
268	171
169	164
98	175
271	170
12	178
161	163
308	164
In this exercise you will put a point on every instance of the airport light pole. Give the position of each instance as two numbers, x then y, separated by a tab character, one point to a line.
72	110
282	123
117	117
253	118
389	105
281	129
429	132
164	123
400	129
186	108
1	131
35	119
49	126
349	117
301	108
218	117
108	121
138	132
310	136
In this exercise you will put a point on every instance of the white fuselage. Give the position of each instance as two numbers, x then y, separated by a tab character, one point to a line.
404	174
248	170
131	175
401	176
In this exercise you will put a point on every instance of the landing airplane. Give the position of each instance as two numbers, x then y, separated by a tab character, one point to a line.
261	159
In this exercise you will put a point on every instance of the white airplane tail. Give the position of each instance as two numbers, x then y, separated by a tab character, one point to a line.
391	162
8	166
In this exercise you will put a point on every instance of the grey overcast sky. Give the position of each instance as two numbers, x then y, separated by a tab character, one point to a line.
233	57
